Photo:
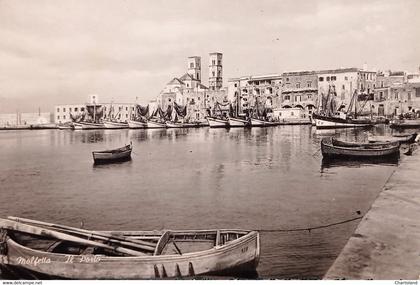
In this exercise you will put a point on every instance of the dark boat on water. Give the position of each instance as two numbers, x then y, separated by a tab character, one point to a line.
402	138
113	155
58	251
332	148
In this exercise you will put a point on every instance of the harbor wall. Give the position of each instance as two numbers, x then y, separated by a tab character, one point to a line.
386	244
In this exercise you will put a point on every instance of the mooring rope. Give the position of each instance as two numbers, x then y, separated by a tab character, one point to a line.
311	228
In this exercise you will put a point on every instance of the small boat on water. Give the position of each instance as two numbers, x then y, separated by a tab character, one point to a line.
218	122
60	251
405	124
132	124
113	155
115	125
65	126
402	138
332	148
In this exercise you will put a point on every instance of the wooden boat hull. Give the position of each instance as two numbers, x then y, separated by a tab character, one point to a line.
237	123
330	150
155	125
88	126
115	125
217	123
137	125
407	139
122	154
258	123
243	254
172	125
405	124
323	122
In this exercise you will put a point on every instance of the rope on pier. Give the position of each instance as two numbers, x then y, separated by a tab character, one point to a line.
311	228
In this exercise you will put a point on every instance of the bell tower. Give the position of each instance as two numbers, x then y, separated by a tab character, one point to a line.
215	71
194	67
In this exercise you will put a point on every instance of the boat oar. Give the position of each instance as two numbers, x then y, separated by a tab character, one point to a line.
20	227
92	234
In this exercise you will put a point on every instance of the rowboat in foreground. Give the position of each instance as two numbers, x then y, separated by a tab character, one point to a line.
66	252
358	150
112	155
402	138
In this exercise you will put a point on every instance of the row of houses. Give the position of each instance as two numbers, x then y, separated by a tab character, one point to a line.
382	93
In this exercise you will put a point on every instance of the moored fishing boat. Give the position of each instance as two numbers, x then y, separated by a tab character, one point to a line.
112	155
115	125
217	122
405	123
132	124
88	126
66	252
330	150
237	122
155	125
257	122
328	122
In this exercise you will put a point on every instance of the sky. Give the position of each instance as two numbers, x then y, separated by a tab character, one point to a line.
59	51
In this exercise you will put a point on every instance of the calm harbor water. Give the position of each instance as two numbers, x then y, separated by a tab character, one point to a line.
260	178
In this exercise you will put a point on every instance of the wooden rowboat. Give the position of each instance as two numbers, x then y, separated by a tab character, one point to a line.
338	142
329	149
113	155
66	252
402	138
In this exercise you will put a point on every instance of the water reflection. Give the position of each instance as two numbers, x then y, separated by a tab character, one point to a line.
359	162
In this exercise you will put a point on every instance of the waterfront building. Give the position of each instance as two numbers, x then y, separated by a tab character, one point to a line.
246	90
299	89
395	94
343	80
187	90
109	110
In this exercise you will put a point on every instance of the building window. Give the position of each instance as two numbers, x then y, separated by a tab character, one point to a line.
287	97
344	87
328	78
346	78
119	108
64	109
236	85
191	65
219	62
333	78
214	74
82	109
58	117
309	84
409	95
126	108
298	85
213	62
321	79
76	109
287	78
64	117
58	110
